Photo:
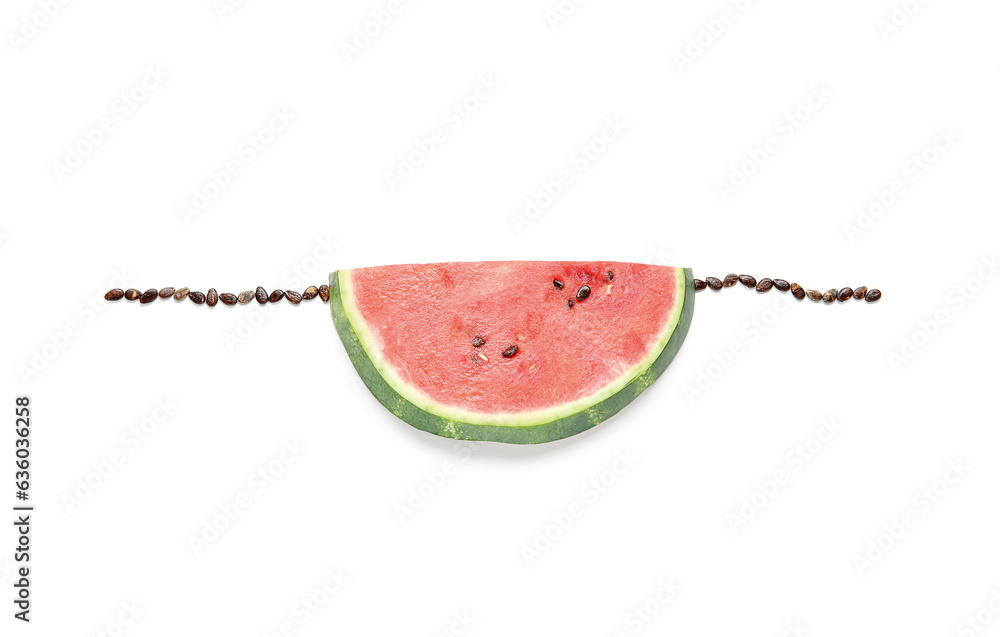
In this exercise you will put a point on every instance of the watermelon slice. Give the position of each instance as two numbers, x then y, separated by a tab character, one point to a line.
510	351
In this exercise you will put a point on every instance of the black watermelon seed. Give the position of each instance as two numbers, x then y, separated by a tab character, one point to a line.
814	295
148	296
611	275
510	351
859	293
781	285
228	298
114	295
583	292
324	293
571	302
730	280
764	285
844	294
132	294
748	280
196	297
797	291
478	342
713	283
873	295
699	285
310	292
559	284
293	297
261	295
829	296
276	296
212	297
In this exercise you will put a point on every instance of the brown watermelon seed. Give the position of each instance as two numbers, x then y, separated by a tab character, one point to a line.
132	294
324	293
559	284
730	280
478	342
276	296
115	295
713	283
245	297
510	351
197	298
699	285
228	299
748	280
583	292
873	295
293	297
181	294
166	293
261	295
844	294
859	293
814	295
764	285
797	291
829	296
148	296
571	303
781	285
310	292
611	275
212	297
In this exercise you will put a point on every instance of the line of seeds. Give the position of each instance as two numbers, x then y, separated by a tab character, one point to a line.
782	285
213	297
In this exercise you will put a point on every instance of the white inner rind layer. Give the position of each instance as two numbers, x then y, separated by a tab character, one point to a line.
499	419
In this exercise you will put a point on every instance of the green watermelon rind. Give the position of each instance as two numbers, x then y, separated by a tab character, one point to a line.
557	429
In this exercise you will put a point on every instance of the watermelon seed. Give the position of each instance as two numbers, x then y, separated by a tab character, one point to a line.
873	295
781	285
228	298
245	297
261	295
829	296
859	293
212	298
114	295
559	284
148	296
324	293
607	289
611	275
844	294
748	280
797	291
699	285
583	293
484	357
166	293
510	351
197	298
276	296
478	342
293	297
814	295
765	285
309	293
713	283
730	280
181	294
571	302
132	294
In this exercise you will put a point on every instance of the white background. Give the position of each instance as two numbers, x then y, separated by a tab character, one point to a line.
652	196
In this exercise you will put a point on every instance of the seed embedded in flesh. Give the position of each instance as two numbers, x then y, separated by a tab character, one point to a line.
212	297
713	283
730	280
583	292
245	297
814	295
324	293
764	285
478	342
829	296
148	296
571	302
611	275
748	280
228	298
510	351
859	293
293	297
699	285
181	294
132	294
844	294
114	295
166	293
310	292
559	284
781	285
261	295
797	291
873	295
276	296
197	298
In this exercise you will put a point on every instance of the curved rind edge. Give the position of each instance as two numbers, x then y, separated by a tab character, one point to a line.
532	434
